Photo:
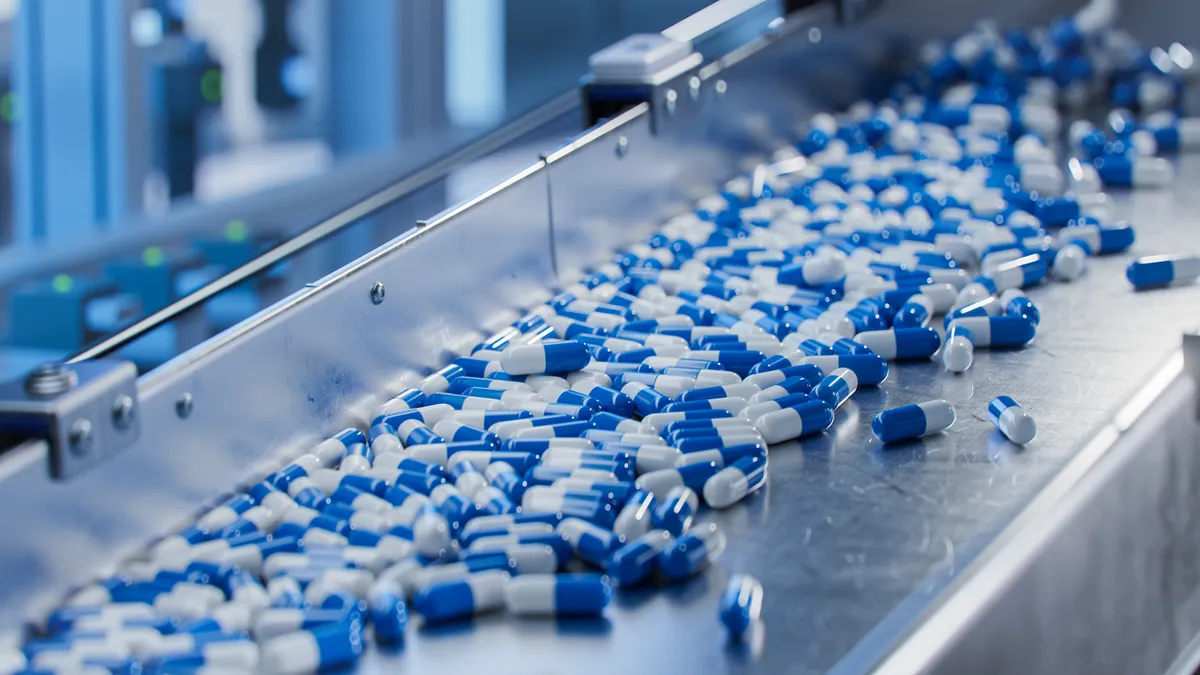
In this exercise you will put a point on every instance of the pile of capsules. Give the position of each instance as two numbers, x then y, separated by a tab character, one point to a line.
587	435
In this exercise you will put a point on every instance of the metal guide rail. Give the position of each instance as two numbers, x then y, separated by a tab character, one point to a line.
1078	552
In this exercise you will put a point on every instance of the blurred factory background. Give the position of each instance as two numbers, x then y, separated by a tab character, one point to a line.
147	147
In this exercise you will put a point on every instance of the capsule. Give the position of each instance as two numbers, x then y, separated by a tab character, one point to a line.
1100	239
1012	420
725	455
458	432
657	421
414	432
646	401
388	614
676	511
557	356
308	651
659	483
1070	261
733	483
901	343
871	369
1162	270
791	385
959	351
691	552
914	313
440	380
741	605
634	519
753	412
912	421
592	544
565	595
634	561
477	594
997	331
1016	303
837	388
766	379
789	423
1136	172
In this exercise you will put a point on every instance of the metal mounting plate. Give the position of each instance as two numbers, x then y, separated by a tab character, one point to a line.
93	418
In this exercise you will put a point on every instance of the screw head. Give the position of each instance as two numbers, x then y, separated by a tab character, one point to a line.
80	437
622	146
124	411
719	86
694	87
378	292
183	405
814	35
671	98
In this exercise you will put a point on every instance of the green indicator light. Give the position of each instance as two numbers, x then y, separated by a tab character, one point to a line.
62	283
8	107
236	230
153	256
210	85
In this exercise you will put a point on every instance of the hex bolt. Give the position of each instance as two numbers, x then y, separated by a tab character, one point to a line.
183	405
80	437
378	292
50	379
124	411
622	146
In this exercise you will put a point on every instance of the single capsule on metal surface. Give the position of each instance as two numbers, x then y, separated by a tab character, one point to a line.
959	351
997	331
480	592
691	552
733	483
741	604
634	561
1135	172
576	595
1162	270
307	651
837	388
789	423
912	421
1012	420
675	511
1016	303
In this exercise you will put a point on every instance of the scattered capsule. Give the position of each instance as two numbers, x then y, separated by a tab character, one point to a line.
912	421
675	511
733	483
1162	270
790	423
837	388
306	651
566	595
997	331
634	561
690	552
1012	420
959	351
741	605
479	593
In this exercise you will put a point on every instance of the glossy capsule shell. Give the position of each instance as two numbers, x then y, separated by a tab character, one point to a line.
1012	420
789	423
997	331
675	511
1162	270
566	595
837	388
733	483
306	651
690	552
959	351
557	356
741	605
871	369
901	343
634	561
480	592
592	543
912	421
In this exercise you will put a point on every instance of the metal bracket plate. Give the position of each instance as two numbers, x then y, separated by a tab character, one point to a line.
87	412
636	70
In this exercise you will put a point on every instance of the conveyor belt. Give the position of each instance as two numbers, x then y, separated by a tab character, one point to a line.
853	541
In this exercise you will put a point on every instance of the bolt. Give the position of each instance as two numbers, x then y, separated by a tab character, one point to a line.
671	98
622	146
50	379
378	291
81	437
694	87
183	405
814	35
123	412
720	87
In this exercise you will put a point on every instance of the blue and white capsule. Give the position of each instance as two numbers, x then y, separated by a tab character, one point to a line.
790	423
634	561
691	552
1162	270
317	649
565	595
558	356
741	605
959	350
913	421
997	331
735	482
1012	420
676	511
593	544
837	388
479	593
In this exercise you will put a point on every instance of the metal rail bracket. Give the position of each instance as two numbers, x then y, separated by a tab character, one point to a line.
637	70
87	412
